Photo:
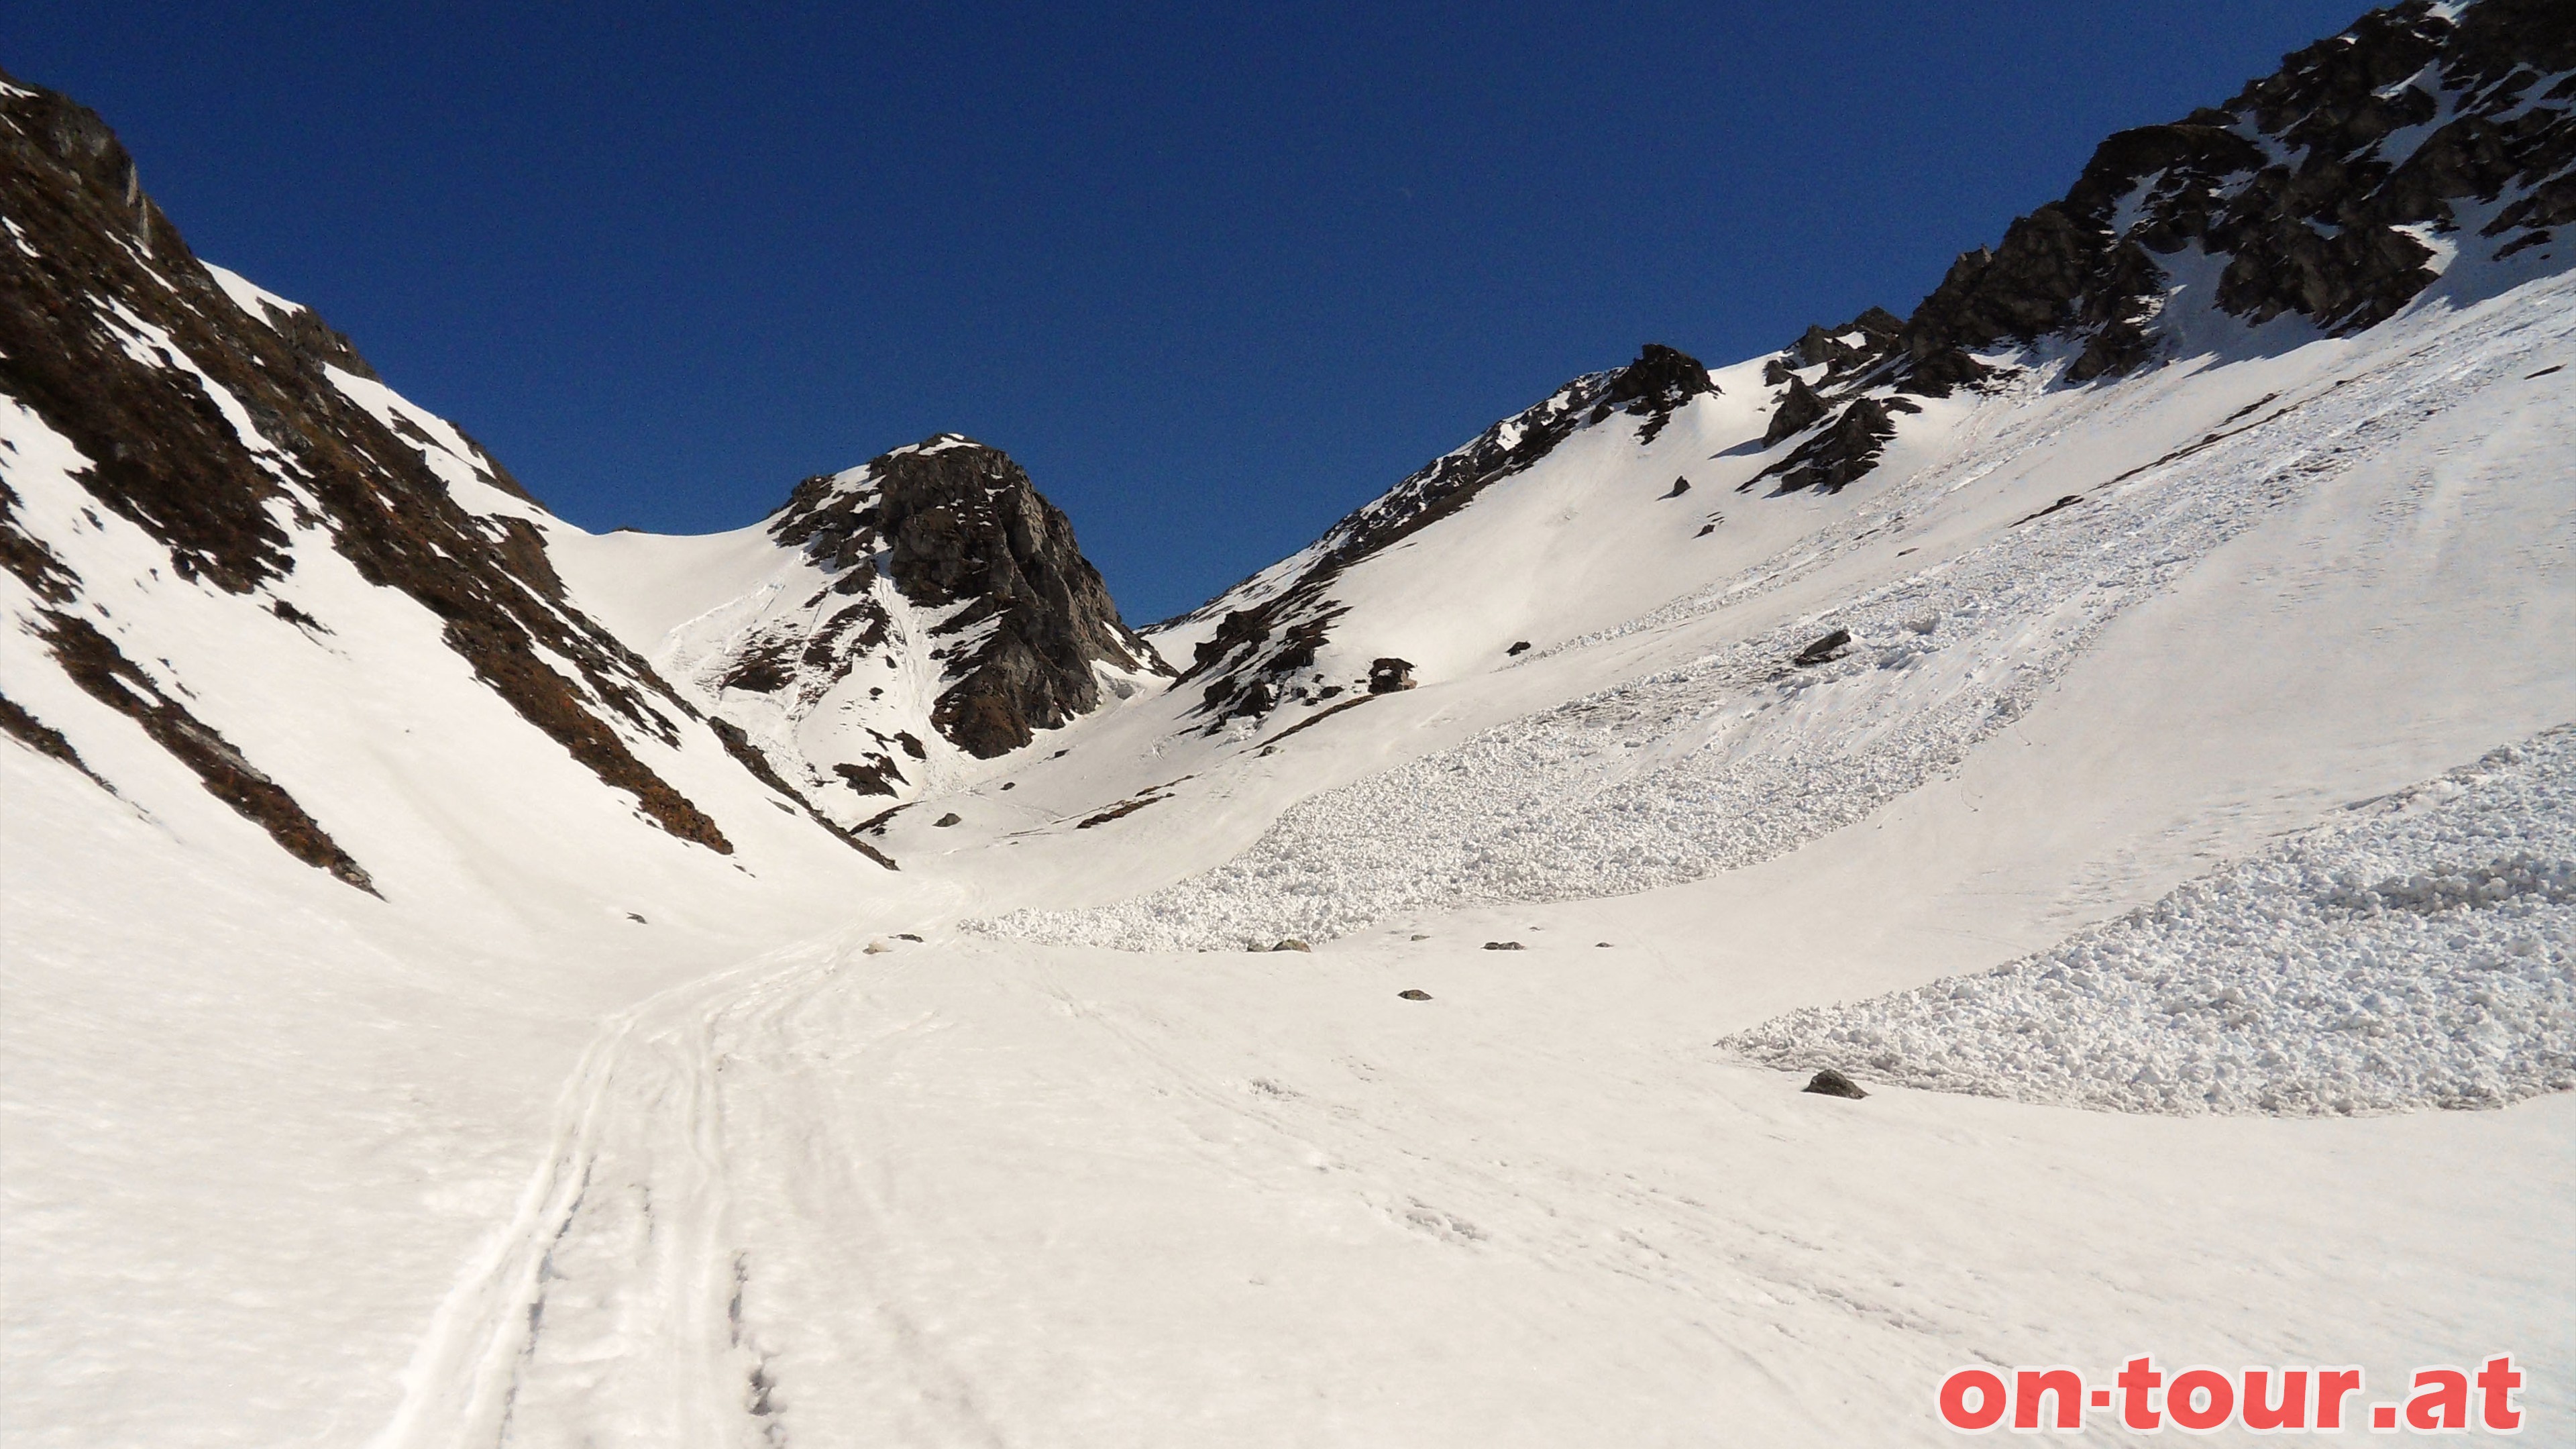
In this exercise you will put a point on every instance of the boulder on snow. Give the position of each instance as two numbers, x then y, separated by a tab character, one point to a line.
1414	994
944	821
1831	1083
1386	676
1292	944
1829	647
1522	647
1504	946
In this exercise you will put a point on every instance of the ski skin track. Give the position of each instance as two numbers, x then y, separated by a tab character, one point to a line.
461	1387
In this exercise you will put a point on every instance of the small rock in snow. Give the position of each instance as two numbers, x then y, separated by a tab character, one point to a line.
1292	944
1823	649
1504	946
1831	1083
1414	994
944	821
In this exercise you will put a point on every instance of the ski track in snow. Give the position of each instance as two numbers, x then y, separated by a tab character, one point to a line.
610	1271
2421	953
1737	757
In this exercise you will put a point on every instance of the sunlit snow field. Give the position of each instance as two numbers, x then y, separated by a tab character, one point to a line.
663	1154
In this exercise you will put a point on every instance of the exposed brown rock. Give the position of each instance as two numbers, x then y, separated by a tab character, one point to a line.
165	457
93	662
956	522
44	739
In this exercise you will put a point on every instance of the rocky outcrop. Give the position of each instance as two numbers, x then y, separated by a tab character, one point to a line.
959	532
1797	410
2322	187
223	436
1390	676
1840	453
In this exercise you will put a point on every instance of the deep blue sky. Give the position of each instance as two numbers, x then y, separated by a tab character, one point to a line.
1214	273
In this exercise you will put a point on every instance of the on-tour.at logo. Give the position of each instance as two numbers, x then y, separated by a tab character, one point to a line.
2441	1399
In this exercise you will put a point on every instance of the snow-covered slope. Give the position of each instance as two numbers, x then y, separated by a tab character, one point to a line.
2136	681
1849	649
231	549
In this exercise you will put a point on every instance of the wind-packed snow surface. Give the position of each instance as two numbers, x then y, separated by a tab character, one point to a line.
2420	952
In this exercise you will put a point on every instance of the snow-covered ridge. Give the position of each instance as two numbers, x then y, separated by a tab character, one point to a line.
1740	755
1256	647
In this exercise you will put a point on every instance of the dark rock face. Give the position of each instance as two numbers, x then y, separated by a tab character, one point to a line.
1799	409
2306	183
97	257
44	739
1387	676
1831	1083
1841	453
1271	642
957	525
